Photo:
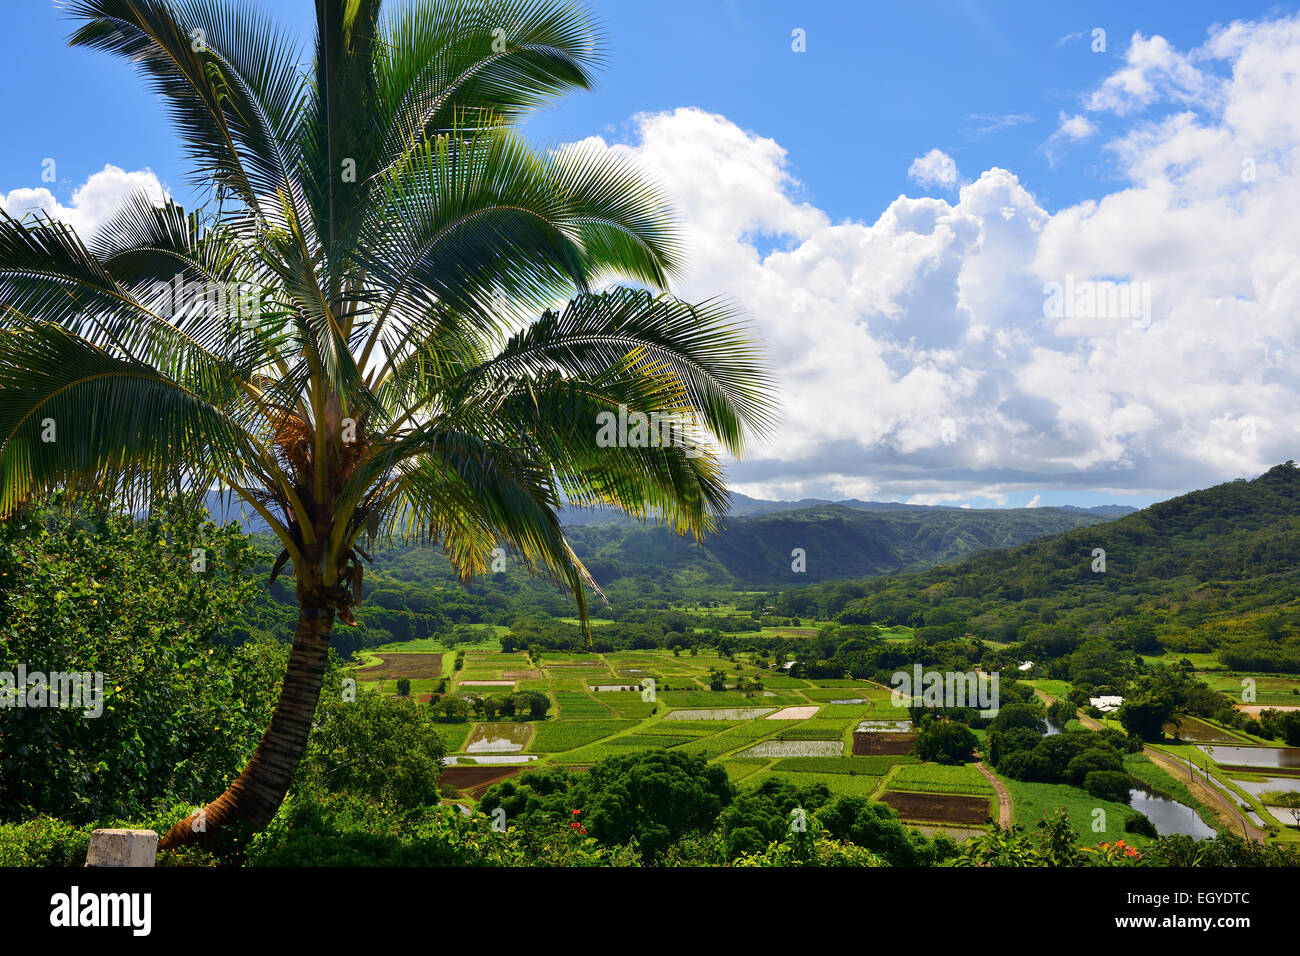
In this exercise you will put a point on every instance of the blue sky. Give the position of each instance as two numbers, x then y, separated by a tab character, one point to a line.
879	84
961	399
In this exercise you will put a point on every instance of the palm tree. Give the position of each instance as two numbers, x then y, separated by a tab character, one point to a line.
389	316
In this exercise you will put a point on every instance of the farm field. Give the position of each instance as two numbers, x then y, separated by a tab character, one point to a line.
1270	690
791	729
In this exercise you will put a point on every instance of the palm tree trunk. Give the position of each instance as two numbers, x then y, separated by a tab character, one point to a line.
259	790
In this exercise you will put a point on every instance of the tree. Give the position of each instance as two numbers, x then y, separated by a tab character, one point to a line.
383	748
945	741
403	686
178	709
654	796
356	336
1108	785
1289	799
1146	716
1019	715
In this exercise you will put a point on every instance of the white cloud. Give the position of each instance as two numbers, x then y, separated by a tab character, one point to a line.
935	168
92	203
982	124
1035	502
914	358
1069	129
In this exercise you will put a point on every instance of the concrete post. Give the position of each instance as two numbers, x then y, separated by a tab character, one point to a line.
122	848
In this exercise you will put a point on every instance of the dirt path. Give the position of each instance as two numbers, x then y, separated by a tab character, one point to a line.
1004	798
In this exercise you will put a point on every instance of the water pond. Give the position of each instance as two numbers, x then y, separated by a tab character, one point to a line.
1170	816
501	737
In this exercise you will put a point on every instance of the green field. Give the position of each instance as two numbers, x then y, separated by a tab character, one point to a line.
1031	802
931	778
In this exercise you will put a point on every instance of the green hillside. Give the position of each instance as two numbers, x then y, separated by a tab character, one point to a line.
1210	572
838	542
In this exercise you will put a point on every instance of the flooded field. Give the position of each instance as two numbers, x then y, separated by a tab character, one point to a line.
1269	785
1283	815
795	748
1170	816
793	713
488	759
721	713
498	738
1254	756
883	727
850	700
1198	731
487	683
615	687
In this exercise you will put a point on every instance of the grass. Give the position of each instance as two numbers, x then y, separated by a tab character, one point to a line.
575	705
453	734
839	784
933	778
1161	782
1032	802
556	736
868	766
739	736
1270	691
690	728
626	704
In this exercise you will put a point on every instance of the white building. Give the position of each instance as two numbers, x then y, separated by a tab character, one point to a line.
1106	704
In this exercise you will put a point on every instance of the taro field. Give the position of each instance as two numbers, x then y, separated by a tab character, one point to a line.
793	729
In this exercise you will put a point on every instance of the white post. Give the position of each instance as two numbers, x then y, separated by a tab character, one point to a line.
122	848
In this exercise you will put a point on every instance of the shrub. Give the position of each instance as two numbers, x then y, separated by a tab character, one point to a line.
1141	825
1108	785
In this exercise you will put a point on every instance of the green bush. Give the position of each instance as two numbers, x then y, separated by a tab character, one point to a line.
1108	785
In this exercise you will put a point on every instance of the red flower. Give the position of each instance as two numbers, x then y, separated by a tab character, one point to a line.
575	812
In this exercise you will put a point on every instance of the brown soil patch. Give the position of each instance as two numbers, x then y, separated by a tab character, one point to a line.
873	744
938	807
521	675
404	665
473	779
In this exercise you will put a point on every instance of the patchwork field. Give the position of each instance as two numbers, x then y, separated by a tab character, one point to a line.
798	731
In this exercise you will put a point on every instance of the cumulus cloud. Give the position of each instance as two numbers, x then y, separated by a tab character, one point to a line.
92	203
916	357
935	168
1069	129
